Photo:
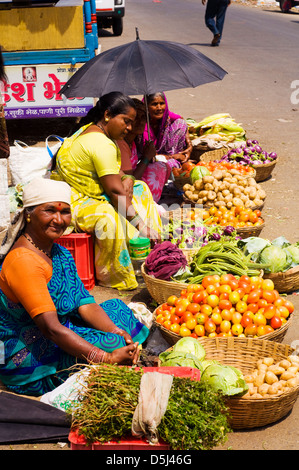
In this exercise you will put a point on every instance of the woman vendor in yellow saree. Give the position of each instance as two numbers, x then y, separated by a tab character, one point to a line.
105	202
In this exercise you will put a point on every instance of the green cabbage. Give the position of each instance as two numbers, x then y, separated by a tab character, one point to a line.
180	359
225	379
198	172
190	345
208	362
277	259
293	250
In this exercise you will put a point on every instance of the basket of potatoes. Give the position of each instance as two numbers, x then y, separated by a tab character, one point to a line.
270	370
225	188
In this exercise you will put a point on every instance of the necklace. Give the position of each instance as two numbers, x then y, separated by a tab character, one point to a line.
40	249
102	129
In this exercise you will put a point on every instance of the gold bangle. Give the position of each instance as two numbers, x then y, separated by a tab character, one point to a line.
128	176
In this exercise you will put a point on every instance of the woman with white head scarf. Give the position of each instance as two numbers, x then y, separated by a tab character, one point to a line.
48	320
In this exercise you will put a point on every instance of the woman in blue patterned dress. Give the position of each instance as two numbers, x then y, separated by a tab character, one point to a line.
48	320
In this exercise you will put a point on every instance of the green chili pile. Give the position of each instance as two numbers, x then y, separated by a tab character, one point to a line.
196	417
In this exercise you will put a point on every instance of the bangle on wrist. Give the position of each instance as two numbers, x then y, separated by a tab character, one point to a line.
128	176
145	161
135	219
97	355
117	331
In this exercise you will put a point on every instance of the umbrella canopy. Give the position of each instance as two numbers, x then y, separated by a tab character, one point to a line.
141	68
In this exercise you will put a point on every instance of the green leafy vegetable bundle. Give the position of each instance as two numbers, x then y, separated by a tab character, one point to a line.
196	417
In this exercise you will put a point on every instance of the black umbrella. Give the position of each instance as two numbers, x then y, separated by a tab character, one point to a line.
141	68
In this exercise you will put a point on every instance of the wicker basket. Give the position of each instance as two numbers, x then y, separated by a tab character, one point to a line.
180	181
212	155
287	281
264	171
243	354
160	290
254	231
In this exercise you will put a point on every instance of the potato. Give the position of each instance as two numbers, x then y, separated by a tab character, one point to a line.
293	369
208	179
261	194
262	367
276	369
250	378
237	201
218	174
271	378
187	187
208	186
274	389
259	380
268	361
285	363
198	184
211	195
292	382
293	359
263	389
189	194
287	375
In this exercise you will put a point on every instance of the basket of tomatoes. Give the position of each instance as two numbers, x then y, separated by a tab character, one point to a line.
225	306
247	222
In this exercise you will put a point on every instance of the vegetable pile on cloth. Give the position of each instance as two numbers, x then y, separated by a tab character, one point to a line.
165	260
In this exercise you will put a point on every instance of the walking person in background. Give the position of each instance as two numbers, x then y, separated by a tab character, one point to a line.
214	18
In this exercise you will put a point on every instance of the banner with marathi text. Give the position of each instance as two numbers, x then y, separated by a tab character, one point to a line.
32	91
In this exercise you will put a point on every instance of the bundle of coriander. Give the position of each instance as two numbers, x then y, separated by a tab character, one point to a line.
196	417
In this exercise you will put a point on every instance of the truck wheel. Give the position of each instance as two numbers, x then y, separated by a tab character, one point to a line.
117	26
285	5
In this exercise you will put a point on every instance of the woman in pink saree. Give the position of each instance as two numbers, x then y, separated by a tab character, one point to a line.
143	166
168	131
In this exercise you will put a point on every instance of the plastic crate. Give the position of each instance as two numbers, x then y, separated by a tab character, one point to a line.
78	442
80	245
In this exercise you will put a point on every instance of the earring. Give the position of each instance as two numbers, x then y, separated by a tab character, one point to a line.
28	218
106	119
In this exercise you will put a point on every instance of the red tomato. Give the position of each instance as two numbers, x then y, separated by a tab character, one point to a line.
210	326
246	320
225	304
275	322
289	305
193	307
253	297
198	297
270	311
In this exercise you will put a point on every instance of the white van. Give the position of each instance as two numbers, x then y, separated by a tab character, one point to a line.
110	13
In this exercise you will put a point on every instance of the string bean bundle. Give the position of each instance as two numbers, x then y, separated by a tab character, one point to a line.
220	257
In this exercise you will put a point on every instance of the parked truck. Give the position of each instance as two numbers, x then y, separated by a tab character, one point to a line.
110	14
43	43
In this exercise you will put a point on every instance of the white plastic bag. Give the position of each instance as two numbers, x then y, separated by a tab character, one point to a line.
142	313
27	163
66	395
